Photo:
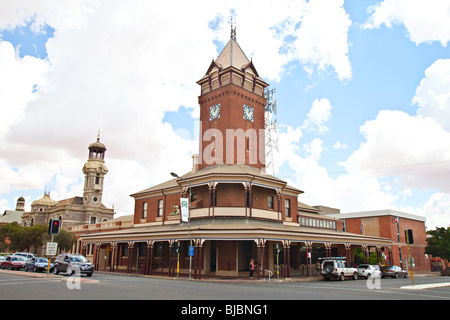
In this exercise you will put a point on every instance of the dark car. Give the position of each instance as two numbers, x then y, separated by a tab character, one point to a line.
38	264
445	272
393	272
73	263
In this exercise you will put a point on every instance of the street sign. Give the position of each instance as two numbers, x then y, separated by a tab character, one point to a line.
191	251
52	248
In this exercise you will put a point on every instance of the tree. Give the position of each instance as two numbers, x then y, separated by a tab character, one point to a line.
65	240
11	236
14	237
438	245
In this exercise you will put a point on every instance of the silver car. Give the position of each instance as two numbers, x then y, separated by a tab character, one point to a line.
393	272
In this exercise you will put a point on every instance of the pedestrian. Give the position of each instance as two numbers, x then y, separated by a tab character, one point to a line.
252	268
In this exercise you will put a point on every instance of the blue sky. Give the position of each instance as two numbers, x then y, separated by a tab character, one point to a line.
362	90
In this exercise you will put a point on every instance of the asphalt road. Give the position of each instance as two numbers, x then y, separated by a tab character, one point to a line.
17	285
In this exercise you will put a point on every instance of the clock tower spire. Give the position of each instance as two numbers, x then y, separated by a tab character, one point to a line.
94	170
232	109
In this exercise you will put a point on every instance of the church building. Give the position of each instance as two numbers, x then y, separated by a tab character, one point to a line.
77	210
237	211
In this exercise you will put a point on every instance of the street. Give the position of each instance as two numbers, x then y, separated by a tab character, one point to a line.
20	285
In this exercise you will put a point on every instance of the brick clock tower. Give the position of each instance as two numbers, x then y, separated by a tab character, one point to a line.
232	110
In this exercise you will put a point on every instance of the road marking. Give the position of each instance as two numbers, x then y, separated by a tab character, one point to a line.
427	286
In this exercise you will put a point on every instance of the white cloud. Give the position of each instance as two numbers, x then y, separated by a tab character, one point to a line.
322	39
19	77
314	149
415	149
437	210
340	146
425	21
119	66
318	116
433	94
403	156
348	192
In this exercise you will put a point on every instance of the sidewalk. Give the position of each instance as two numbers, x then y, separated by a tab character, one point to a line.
47	276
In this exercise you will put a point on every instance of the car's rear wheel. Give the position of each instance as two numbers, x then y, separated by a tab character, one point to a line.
355	276
342	277
329	269
55	271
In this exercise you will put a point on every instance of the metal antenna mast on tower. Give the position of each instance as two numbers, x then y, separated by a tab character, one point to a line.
271	130
233	29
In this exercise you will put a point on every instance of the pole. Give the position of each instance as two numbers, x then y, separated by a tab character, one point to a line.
189	229
178	260
49	260
409	256
310	262
399	243
189	219
278	262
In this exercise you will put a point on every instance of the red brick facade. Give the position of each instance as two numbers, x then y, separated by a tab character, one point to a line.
382	225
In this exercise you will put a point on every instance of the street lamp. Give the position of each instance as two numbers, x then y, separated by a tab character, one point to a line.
173	174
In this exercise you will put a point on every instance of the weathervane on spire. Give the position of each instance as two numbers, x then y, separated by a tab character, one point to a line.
233	30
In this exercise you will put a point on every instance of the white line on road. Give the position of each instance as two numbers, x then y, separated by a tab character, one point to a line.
427	286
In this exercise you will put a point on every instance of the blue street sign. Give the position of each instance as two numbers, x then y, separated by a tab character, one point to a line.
191	251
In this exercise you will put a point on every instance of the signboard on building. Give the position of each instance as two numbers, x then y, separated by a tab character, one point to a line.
184	205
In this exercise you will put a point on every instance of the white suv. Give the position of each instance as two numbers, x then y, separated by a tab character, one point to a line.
337	268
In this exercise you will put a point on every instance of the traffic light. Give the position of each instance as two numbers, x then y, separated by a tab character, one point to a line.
409	236
53	226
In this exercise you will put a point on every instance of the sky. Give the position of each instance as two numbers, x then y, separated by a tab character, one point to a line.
362	90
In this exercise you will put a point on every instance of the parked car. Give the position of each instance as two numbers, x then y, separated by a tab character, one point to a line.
70	263
393	272
337	268
38	264
5	263
2	258
27	255
445	272
13	262
367	271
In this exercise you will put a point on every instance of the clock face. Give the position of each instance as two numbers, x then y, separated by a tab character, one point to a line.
248	113
214	112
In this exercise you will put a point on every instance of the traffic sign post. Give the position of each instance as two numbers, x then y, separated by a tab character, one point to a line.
408	233
51	250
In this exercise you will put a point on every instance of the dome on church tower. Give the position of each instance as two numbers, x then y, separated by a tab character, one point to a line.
45	201
97	149
97	145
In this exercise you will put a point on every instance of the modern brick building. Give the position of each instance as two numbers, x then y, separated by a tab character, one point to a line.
392	224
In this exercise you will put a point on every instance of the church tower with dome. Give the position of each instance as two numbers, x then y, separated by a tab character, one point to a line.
76	210
94	170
